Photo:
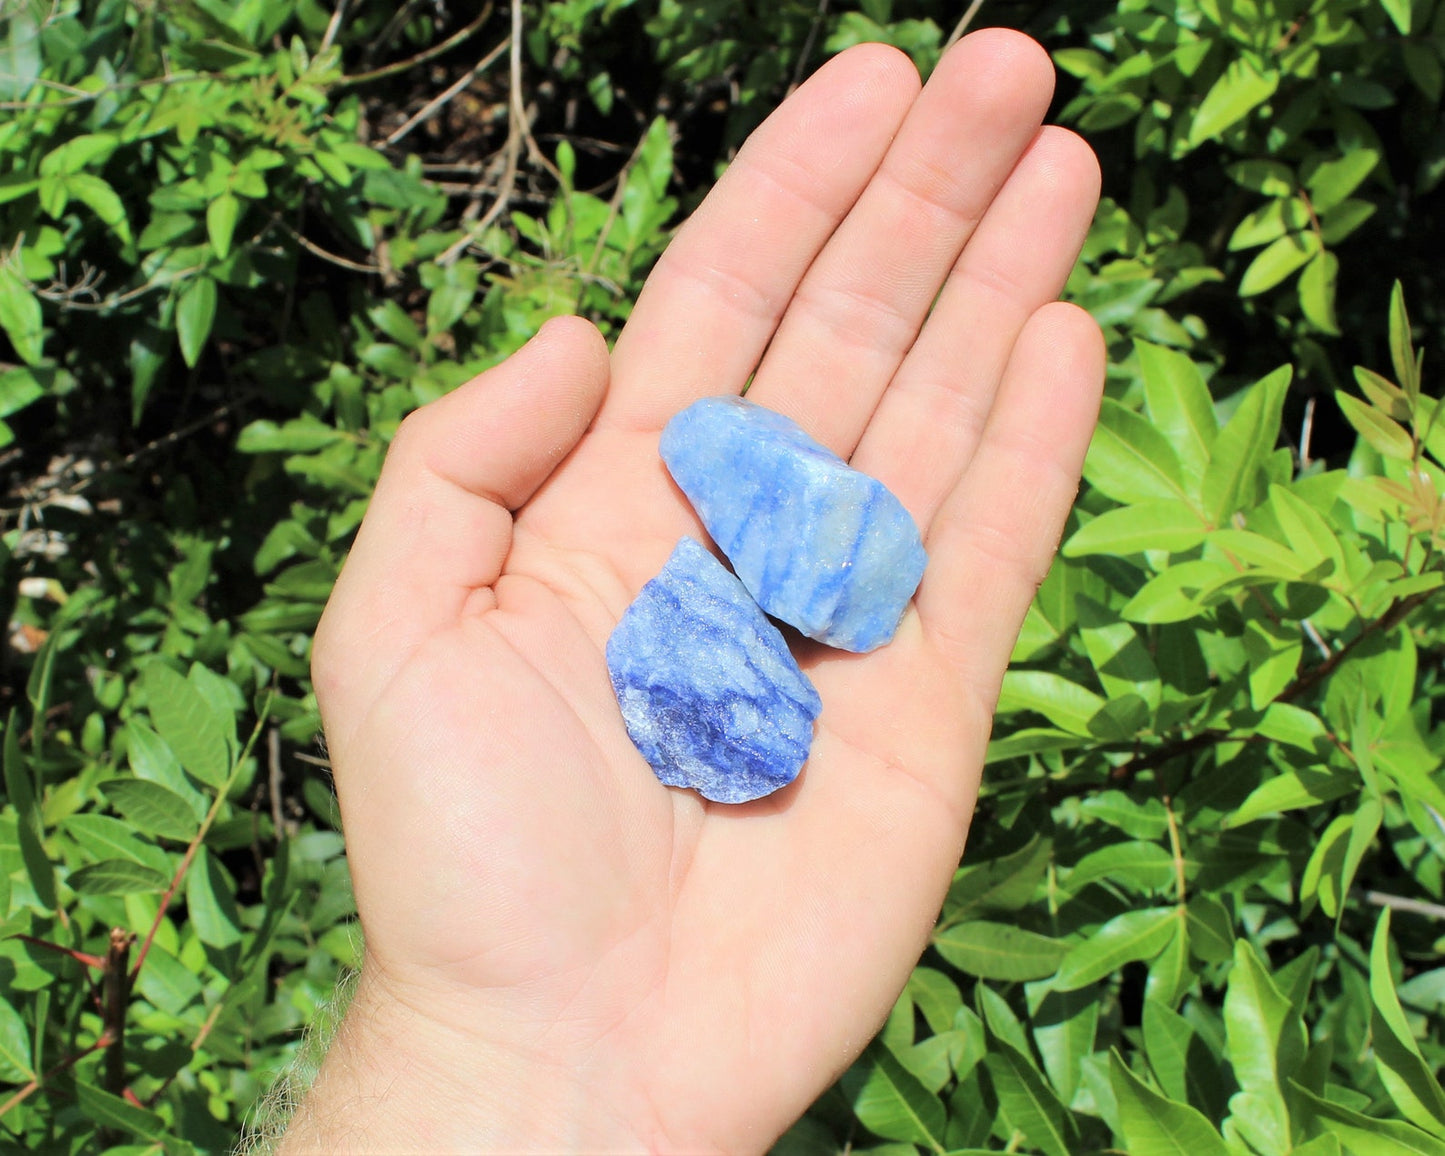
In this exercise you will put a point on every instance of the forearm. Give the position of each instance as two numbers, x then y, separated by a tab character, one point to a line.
396	1081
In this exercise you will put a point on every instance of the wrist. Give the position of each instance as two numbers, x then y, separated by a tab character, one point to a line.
400	1079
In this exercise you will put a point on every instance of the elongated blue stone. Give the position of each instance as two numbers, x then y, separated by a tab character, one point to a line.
710	693
818	544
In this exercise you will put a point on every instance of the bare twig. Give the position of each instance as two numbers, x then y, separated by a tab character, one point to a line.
440	101
1307	426
115	1001
431	53
194	846
1401	903
962	26
317	251
802	66
273	781
333	26
516	130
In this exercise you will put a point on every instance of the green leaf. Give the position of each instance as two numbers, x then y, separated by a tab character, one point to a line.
221	217
188	724
1309	534
1005	883
936	996
1382	434
1140	867
1168	525
1232	482
1157	1126
1211	929
1265	1045
1120	657
1341	221
1239	91
1317	292
152	808
1143	818
1335	180
1368	1134
1273	651
1270	178
1130	460
116	877
451	298
396	323
106	837
1277	261
1402	348
15	1049
152	760
1065	704
1179	404
1128	937
300	435
29	828
1170	974
1286	723
892	1103
999	950
195	312
1408	1078
1180	1059
113	1112
1065	1025
1178	593
1399	12
20	317
1027	1102
166	983
102	200
1383	394
1322	872
211	902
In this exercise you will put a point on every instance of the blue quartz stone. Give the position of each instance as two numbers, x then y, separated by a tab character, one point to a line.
821	546
709	691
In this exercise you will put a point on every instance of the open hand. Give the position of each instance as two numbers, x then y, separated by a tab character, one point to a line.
561	953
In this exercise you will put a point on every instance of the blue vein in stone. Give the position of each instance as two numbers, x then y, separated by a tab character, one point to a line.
818	544
709	691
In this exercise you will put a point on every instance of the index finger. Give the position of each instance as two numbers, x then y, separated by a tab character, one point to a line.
715	297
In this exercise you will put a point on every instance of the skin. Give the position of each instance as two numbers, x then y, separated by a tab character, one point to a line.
562	954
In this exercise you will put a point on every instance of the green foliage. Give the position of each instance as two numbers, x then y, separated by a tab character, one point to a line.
231	261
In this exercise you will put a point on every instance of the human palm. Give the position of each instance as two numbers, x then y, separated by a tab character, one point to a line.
692	974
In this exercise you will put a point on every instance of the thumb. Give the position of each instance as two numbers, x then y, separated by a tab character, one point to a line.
440	524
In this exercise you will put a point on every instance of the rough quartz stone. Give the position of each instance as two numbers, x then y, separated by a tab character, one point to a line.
709	691
818	544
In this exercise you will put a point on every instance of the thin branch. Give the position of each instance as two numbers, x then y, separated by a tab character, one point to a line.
1401	903
273	779
194	846
38	1082
516	115
114	1004
333	26
84	957
317	251
962	26
442	99
431	53
812	39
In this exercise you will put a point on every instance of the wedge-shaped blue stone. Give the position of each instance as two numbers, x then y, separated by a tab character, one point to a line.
818	544
709	691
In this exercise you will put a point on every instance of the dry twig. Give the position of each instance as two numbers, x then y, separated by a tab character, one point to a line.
962	26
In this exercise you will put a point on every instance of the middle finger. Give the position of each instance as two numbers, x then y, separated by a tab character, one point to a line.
860	306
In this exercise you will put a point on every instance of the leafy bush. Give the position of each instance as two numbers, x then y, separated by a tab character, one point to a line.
241	240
